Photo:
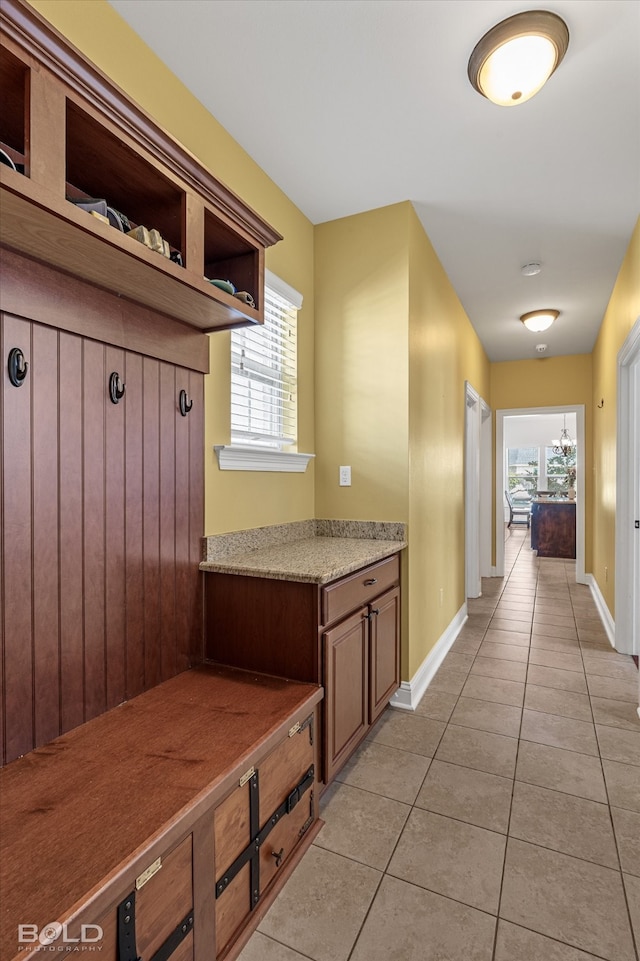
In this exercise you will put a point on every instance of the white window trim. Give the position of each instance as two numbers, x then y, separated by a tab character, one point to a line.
236	457
254	458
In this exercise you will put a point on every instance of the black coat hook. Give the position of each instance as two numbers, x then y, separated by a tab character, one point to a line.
116	388
601	404
17	367
184	404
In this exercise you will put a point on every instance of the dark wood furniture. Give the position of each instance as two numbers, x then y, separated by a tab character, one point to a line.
152	803
553	528
344	635
145	809
102	495
74	134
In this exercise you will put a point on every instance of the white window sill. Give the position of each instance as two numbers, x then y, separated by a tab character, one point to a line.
236	457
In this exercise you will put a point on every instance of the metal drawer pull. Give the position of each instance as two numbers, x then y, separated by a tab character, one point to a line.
370	580
278	855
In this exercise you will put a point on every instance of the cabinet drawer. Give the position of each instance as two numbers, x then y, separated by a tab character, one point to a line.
352	592
159	906
244	835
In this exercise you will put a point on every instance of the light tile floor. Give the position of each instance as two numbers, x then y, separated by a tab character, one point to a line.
501	820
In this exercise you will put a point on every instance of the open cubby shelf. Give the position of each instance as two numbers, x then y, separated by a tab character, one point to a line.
75	135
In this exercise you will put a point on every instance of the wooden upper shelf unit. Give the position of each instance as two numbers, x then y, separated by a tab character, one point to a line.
72	133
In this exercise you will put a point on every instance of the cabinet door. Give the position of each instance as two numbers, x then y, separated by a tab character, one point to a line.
346	679
160	906
242	830
384	651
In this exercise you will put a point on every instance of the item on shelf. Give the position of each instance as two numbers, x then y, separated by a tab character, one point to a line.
100	209
225	285
141	234
99	216
117	219
158	243
6	159
91	205
176	257
245	297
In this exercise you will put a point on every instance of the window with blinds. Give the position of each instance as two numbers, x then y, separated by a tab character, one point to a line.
263	375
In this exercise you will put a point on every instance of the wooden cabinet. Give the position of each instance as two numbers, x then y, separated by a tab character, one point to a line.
346	679
160	912
142	814
361	672
344	635
258	826
73	135
553	528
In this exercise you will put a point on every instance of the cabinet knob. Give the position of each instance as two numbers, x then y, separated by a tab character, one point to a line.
278	855
370	581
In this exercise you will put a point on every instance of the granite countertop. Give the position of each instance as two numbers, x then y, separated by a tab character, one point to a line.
320	555
553	500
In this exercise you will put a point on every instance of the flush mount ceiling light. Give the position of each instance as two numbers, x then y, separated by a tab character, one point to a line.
531	269
538	320
514	60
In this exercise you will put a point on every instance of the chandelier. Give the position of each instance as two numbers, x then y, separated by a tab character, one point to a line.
565	445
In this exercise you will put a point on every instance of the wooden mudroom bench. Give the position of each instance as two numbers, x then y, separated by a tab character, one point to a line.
163	828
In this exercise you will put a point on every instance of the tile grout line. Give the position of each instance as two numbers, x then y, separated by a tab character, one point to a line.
625	896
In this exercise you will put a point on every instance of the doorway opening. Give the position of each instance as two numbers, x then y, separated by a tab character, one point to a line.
477	491
547	477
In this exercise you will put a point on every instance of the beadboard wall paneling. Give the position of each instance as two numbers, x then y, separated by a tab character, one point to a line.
102	520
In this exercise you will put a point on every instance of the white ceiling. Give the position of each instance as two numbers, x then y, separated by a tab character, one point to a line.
537	430
350	105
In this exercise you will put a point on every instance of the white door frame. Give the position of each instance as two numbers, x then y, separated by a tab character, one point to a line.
486	488
627	592
477	493
578	410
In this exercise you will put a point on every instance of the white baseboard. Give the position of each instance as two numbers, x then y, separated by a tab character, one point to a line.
604	612
410	692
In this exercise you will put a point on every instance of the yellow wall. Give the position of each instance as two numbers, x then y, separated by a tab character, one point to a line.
362	364
551	382
444	351
622	312
382	364
393	350
233	500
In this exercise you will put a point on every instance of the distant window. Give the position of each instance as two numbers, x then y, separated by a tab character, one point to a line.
522	469
560	470
264	373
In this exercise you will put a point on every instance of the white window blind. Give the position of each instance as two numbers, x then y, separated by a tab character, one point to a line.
263	373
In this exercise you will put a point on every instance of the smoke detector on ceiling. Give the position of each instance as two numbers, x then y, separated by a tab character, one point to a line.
530	270
541	348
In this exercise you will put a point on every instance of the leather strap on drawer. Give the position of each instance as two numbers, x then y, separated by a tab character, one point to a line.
253	848
127	950
165	950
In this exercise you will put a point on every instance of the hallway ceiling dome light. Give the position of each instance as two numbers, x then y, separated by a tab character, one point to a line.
538	320
514	59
